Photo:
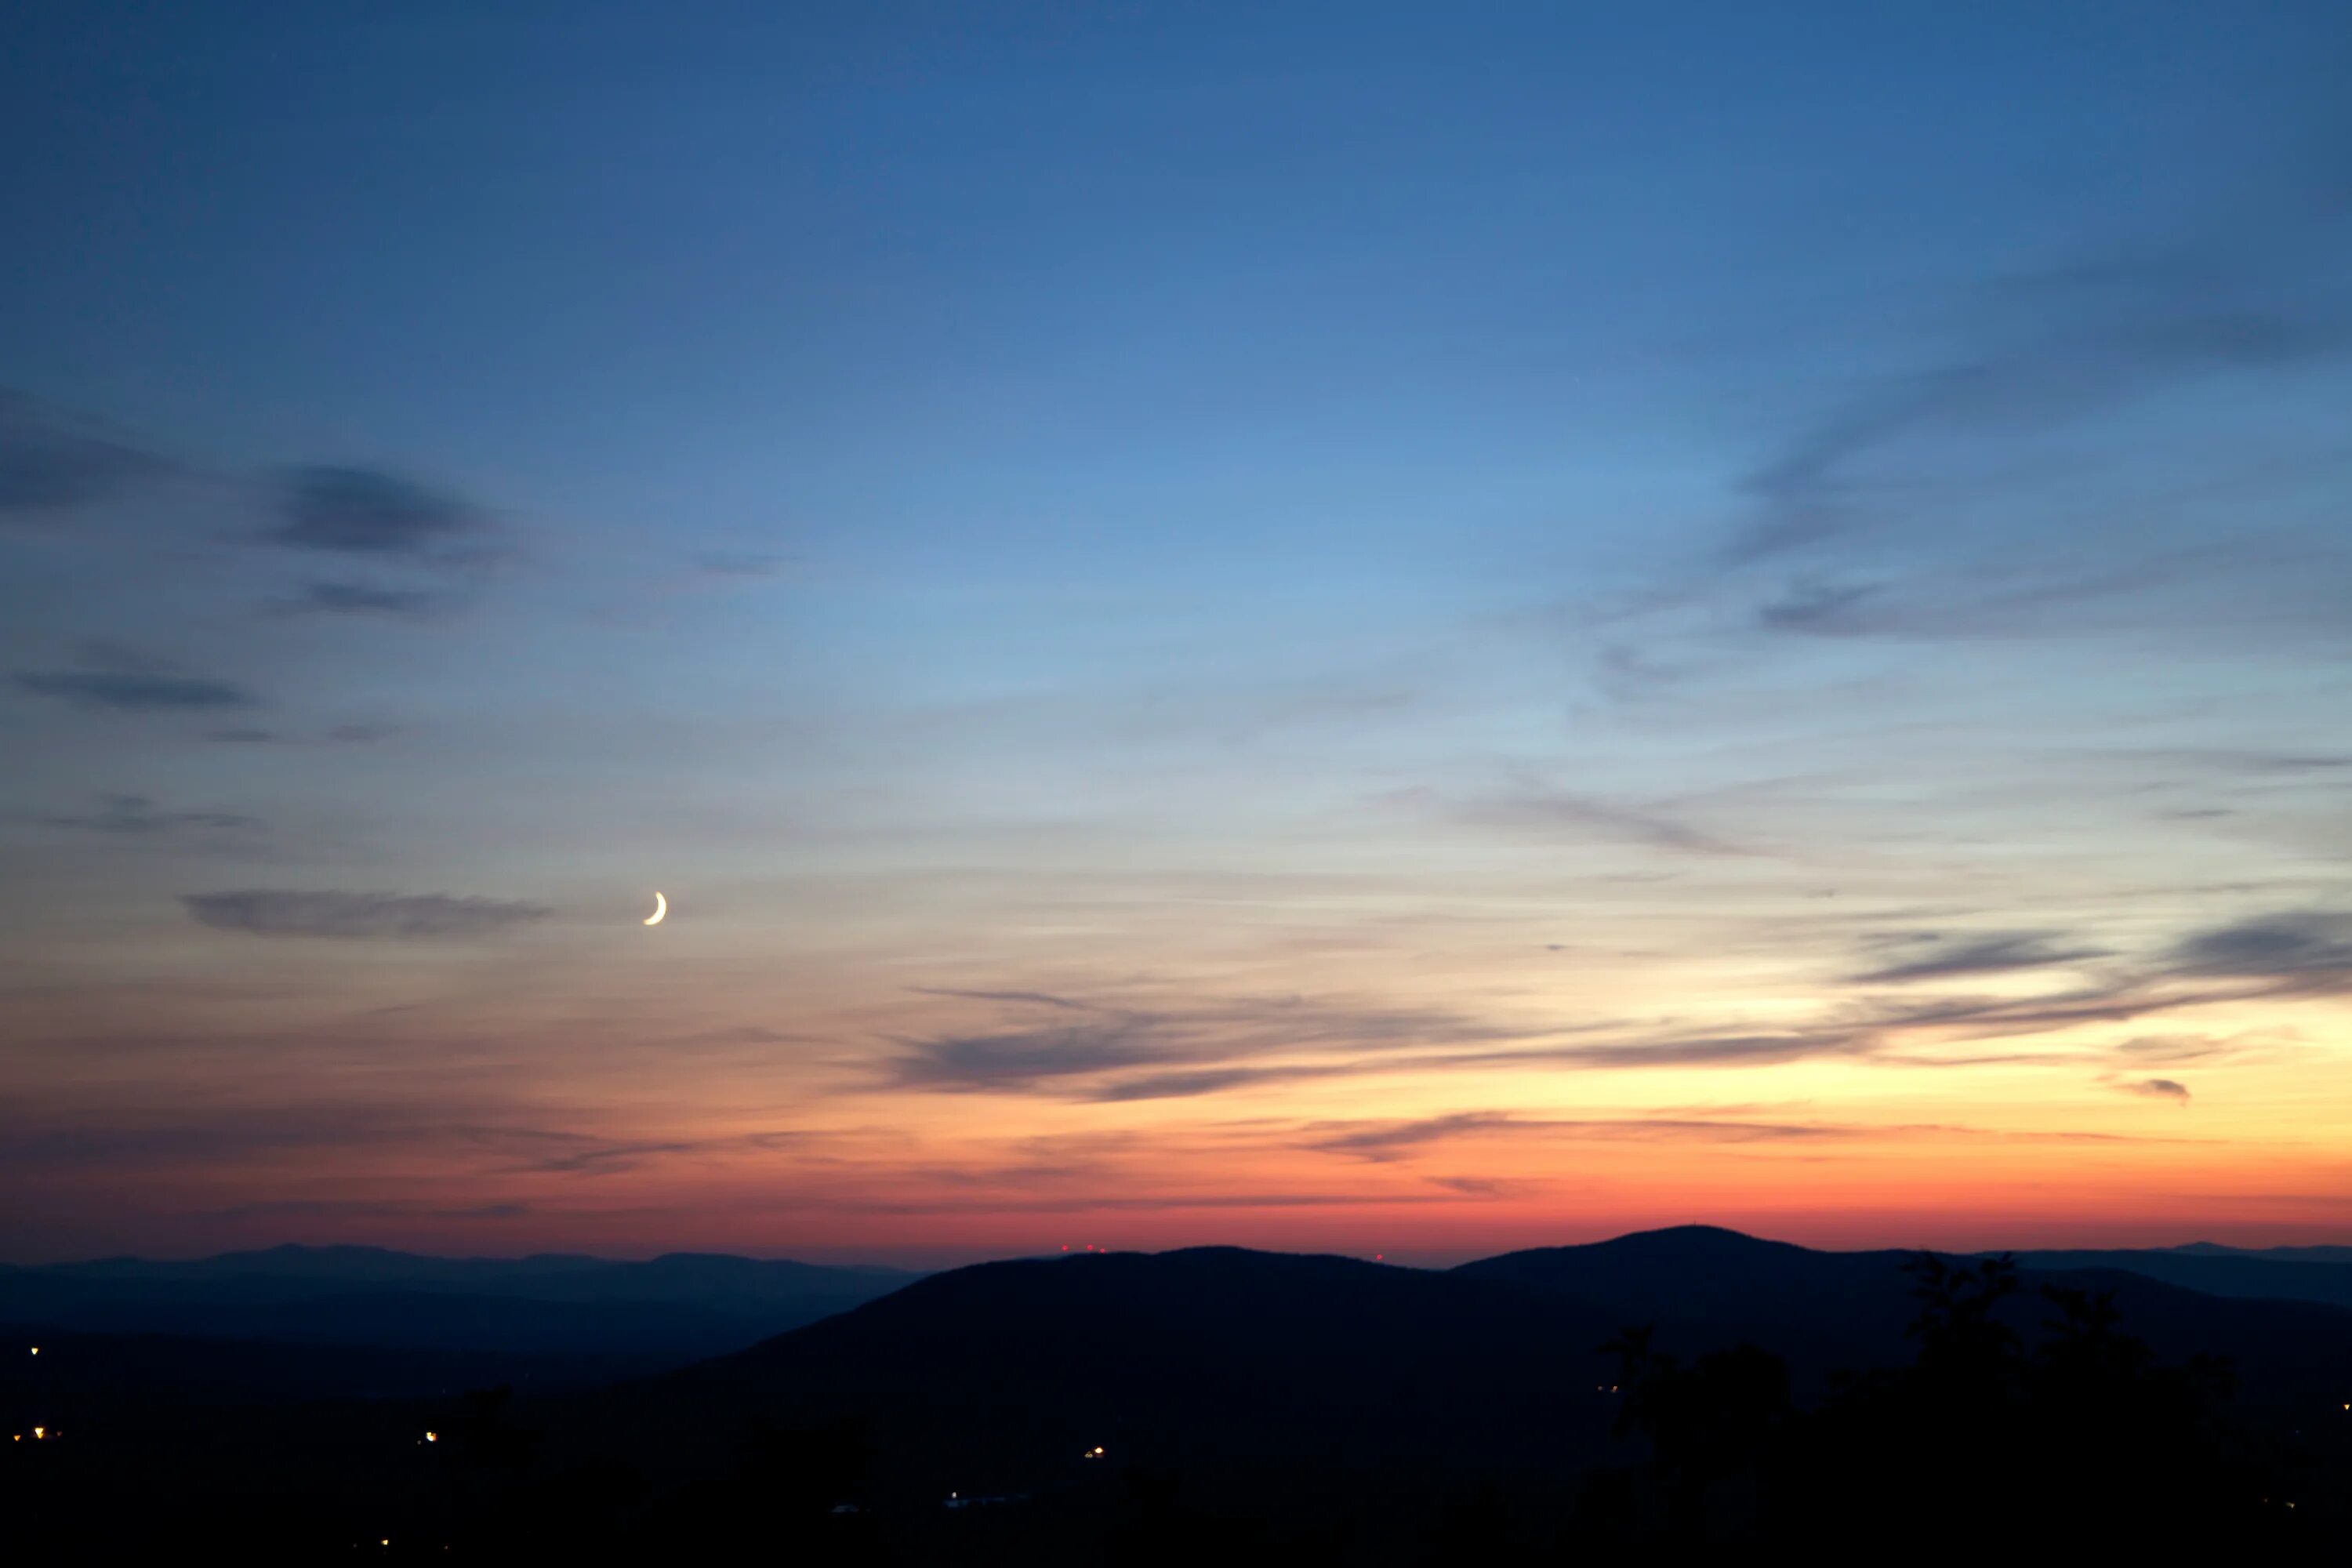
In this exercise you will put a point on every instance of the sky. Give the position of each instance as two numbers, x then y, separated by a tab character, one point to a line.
1356	628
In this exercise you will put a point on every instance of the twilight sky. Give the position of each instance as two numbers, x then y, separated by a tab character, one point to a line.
1314	625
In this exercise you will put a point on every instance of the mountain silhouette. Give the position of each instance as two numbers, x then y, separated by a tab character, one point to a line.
674	1309
1217	1401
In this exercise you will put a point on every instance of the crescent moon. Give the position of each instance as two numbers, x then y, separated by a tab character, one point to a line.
661	908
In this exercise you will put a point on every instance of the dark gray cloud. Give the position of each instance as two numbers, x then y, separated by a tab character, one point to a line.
153	689
135	816
365	512
1187	1085
1815	607
1030	998
1950	603
51	462
369	599
1022	1058
2160	1089
1386	1140
276	912
1716	1051
2310	950
576	1153
1173	1054
1990	954
341	735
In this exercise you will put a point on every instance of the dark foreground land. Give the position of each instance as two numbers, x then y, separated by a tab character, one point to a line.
1674	1392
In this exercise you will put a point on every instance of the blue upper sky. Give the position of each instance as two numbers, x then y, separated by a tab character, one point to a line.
1152	504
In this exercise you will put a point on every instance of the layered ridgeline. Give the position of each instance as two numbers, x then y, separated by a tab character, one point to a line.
587	1312
1692	1383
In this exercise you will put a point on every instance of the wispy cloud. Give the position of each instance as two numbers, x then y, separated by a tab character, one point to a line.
2156	1049
1127	1054
576	1153
2160	1089
1119	1055
1385	1141
2302	951
366	511
2042	349
1029	998
344	598
50	461
135	816
121	682
357	1208
1991	954
1557	813
276	912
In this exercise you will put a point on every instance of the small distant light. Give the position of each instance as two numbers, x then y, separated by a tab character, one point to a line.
433	1436
385	1541
1379	1256
40	1433
36	1350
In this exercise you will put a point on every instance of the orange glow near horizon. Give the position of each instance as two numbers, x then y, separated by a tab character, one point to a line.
1359	1125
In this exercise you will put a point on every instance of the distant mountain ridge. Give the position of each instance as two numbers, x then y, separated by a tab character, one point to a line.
2285	1273
1336	1388
1351	1400
677	1308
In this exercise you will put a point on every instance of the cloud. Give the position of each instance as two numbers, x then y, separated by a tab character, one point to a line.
724	563
365	512
574	1154
1030	998
51	462
2160	1089
367	599
1186	1085
361	1208
134	815
1126	1055
1383	1141
341	735
1817	607
1714	1050
1021	1059
1469	1186
2154	1048
1214	1046
1981	955
2042	349
273	912
1949	602
2304	951
1551	810
152	687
